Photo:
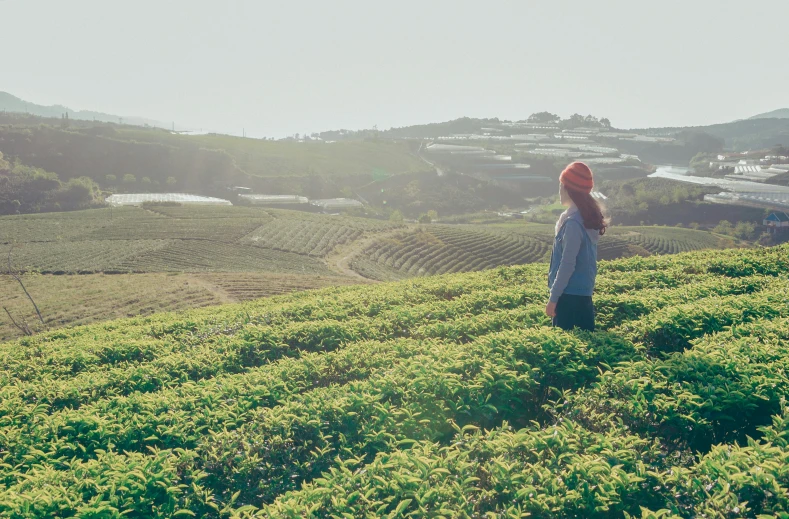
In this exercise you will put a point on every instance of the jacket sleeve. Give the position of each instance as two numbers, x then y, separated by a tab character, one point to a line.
571	244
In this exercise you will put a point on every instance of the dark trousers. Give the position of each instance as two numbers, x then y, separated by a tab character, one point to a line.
572	311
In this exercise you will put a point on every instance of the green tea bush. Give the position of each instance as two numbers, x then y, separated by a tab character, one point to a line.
436	397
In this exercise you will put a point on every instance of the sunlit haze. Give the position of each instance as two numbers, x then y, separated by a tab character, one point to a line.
277	68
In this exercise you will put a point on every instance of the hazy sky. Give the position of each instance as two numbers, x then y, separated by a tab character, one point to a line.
277	68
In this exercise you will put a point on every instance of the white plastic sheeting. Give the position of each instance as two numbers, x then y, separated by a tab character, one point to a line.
183	198
275	199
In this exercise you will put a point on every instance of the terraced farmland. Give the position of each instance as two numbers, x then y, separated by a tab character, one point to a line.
670	240
207	256
255	252
68	226
436	397
248	286
440	249
84	299
310	234
188	239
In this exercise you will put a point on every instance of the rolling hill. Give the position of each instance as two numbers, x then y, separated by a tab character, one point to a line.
443	249
439	397
130	159
781	113
88	266
11	103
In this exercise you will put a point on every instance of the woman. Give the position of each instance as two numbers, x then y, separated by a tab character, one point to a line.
573	269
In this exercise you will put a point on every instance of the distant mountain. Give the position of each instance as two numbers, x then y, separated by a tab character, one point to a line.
11	103
781	113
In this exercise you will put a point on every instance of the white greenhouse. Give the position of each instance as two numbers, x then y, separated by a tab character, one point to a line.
275	199
182	198
336	203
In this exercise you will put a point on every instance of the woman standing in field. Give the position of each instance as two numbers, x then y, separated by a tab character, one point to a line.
573	269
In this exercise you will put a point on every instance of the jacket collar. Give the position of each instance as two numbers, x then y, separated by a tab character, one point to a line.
570	211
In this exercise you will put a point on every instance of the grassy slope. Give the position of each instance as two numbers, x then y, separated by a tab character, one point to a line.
231	253
71	300
367	401
223	254
180	239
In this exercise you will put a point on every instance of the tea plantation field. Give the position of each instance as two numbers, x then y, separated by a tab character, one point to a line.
180	239
436	397
83	299
442	249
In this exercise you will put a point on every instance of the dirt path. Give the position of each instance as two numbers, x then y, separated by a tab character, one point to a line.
218	291
340	259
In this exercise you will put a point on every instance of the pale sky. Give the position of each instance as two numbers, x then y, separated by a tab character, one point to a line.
277	68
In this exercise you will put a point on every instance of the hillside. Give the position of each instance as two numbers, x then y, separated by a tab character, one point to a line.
70	300
180	239
781	113
443	249
743	135
444	396
130	159
89	266
86	266
11	103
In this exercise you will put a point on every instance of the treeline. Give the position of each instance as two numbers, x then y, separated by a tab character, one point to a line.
649	201
25	189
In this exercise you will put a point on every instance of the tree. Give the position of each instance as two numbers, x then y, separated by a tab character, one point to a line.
765	239
605	122
396	216
575	121
745	230
77	193
700	163
111	179
146	181
628	190
724	227
26	190
128	178
171	181
433	215
424	218
543	117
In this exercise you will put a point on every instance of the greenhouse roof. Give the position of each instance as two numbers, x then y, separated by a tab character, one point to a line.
183	198
276	199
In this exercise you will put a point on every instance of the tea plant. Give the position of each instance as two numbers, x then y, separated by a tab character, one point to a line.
435	397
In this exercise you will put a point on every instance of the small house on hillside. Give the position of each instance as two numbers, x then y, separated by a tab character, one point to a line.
777	221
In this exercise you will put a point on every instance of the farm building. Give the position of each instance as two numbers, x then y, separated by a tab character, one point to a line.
777	221
280	200
182	198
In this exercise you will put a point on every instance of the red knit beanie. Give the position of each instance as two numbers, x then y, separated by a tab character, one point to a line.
578	177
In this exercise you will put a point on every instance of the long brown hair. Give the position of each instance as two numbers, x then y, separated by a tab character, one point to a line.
590	209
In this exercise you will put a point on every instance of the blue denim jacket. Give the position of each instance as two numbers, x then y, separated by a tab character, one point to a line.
584	269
